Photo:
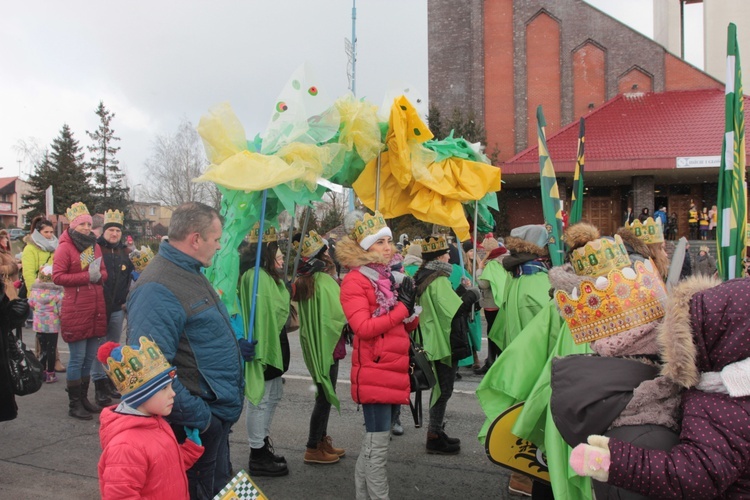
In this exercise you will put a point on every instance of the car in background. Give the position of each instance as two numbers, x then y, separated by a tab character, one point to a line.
16	233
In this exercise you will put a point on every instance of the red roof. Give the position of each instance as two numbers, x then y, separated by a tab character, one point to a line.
641	131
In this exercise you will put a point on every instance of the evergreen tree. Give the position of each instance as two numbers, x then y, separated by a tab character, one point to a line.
108	191
64	169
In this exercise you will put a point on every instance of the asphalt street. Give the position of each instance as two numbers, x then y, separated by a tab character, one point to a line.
46	454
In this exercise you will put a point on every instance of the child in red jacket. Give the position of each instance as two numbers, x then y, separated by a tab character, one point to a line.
141	457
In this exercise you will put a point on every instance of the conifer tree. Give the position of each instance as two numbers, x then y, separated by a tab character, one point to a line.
64	169
108	191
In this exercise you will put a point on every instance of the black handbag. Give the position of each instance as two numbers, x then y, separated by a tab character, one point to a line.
421	376
25	369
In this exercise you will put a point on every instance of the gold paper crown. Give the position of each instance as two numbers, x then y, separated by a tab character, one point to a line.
137	367
75	210
434	245
114	217
311	244
630	298
269	233
598	257
368	226
649	231
141	257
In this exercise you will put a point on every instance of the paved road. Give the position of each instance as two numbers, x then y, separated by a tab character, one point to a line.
45	454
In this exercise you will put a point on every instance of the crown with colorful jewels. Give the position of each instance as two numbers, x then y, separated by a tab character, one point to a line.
623	300
368	226
269	233
137	367
434	245
598	257
114	217
75	210
311	244
141	257
649	231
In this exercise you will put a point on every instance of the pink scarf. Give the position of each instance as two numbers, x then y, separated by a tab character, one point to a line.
383	285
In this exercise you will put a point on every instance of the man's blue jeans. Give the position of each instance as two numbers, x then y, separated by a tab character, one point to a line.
114	334
213	470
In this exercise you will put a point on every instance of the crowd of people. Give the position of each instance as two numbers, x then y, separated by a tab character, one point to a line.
663	373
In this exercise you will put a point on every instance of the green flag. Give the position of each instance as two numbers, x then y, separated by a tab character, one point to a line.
732	197
551	203
576	211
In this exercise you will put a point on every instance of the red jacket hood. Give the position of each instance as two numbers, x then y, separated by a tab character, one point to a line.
112	423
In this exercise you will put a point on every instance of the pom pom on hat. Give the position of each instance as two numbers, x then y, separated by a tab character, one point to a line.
579	234
107	350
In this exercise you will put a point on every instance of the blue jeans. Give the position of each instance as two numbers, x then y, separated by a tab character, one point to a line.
114	334
213	470
378	417
258	418
82	356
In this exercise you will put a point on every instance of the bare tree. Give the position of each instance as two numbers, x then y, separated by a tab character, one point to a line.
174	162
29	152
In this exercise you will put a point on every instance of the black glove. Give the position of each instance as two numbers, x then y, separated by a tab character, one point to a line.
407	294
17	310
247	349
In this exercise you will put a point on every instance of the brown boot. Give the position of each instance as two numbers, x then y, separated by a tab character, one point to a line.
59	367
319	456
520	484
327	444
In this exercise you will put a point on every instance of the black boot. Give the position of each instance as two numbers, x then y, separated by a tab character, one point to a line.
269	446
436	444
261	463
113	390
75	407
448	440
101	392
90	407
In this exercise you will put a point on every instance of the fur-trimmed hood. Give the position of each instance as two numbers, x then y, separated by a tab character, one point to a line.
517	246
704	318
351	255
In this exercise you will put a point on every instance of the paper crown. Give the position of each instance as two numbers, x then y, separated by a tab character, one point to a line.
141	257
649	231
624	300
600	256
269	233
370	225
431	245
311	244
75	210
138	366
114	217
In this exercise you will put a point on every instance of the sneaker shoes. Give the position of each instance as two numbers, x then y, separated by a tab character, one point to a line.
520	484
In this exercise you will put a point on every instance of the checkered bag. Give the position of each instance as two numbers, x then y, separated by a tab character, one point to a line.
241	487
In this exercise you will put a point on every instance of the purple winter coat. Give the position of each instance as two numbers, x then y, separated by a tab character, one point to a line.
706	327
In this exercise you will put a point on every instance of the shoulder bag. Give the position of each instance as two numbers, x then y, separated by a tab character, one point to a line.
25	369
421	376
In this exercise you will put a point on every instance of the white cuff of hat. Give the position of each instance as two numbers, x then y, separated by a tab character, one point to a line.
367	241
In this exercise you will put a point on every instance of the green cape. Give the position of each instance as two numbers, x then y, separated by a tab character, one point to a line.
271	314
499	279
522	373
526	296
321	320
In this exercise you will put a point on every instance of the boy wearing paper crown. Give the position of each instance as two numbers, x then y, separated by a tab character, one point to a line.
116	288
141	457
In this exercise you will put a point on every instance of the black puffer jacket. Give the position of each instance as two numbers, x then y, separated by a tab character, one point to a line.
119	272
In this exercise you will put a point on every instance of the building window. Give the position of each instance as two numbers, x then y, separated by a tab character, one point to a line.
153	211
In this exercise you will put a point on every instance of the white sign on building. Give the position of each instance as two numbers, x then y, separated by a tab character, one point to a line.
698	161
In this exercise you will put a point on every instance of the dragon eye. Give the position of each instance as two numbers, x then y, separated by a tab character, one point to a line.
313	91
281	106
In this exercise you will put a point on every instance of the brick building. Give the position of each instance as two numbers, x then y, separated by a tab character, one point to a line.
503	58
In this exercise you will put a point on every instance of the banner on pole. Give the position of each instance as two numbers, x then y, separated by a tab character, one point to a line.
49	202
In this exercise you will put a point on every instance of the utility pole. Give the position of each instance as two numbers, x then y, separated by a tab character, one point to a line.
350	48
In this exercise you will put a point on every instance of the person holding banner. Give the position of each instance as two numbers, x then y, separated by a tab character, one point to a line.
263	384
381	315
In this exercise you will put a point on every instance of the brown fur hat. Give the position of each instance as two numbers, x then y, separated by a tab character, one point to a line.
579	234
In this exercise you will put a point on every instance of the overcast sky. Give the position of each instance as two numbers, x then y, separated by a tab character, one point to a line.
154	63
